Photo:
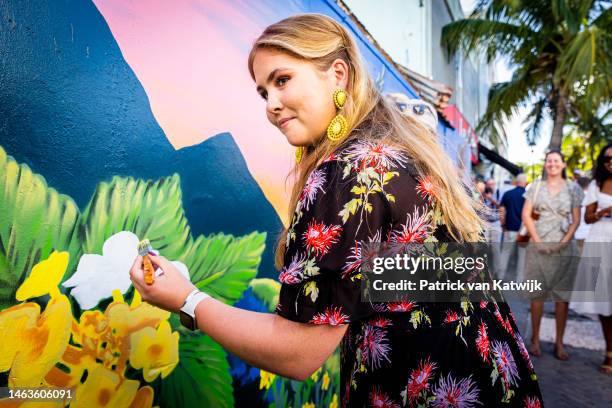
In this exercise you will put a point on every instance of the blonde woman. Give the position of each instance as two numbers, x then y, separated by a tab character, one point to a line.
372	174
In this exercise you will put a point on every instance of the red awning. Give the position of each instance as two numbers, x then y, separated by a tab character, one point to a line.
455	118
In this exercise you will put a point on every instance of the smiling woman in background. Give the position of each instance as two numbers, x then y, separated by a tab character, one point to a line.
556	201
364	172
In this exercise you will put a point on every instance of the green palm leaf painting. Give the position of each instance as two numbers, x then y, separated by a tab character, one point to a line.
34	220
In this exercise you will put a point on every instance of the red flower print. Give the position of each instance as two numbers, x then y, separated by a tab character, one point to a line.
332	316
331	157
319	237
403	306
380	156
379	399
508	326
415	230
380	307
505	363
450	393
373	346
380	322
425	188
294	272
505	323
362	254
315	182
451	316
523	350
353	261
419	380
513	318
532	402
482	342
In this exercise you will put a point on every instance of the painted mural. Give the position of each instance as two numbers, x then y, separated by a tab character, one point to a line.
124	120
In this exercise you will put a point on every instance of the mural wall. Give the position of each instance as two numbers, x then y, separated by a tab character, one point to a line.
124	120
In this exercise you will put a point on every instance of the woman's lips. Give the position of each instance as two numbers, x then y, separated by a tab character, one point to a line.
283	122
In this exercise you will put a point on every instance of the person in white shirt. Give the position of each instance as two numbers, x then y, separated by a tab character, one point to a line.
596	261
583	229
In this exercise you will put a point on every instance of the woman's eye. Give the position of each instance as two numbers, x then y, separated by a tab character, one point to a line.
280	81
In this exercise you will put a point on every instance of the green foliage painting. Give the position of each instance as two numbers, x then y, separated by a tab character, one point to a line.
69	316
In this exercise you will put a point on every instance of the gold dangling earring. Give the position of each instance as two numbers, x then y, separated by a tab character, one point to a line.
338	127
299	153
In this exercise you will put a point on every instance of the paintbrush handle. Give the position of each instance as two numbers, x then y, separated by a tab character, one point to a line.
149	271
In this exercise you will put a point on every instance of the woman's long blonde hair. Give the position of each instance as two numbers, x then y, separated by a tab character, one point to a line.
320	40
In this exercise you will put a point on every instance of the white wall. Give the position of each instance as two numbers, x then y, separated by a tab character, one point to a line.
401	27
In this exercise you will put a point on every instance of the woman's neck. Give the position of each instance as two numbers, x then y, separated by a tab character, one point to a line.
554	179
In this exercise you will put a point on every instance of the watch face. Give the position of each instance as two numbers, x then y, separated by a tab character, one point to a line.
187	321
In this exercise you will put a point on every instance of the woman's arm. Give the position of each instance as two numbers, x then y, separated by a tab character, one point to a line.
269	341
573	226
591	215
265	340
528	221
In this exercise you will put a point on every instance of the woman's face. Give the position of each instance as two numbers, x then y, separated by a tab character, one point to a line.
608	164
298	95
554	164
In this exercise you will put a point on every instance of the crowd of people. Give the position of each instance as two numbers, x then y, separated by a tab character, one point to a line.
567	223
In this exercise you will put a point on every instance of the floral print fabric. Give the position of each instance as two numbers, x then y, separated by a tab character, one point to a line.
400	353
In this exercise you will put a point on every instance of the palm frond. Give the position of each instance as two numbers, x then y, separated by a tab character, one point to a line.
601	16
492	37
559	48
584	66
531	13
534	120
505	98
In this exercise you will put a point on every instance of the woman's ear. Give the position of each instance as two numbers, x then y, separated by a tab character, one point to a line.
340	71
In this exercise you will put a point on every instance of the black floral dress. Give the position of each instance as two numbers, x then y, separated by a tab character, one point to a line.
405	353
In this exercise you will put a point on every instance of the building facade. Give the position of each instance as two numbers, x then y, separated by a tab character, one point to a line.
410	32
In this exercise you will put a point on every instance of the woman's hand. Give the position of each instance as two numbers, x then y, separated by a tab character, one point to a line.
543	248
558	247
169	290
528	221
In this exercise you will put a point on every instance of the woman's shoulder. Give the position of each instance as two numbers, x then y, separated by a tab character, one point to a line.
534	186
574	187
593	186
362	158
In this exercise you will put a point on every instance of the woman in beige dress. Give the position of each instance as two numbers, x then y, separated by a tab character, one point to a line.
552	252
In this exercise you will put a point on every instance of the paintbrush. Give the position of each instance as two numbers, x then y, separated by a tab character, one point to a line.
144	247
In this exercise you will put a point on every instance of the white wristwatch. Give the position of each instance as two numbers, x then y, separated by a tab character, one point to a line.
187	312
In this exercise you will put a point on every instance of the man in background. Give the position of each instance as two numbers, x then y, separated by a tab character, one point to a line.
511	207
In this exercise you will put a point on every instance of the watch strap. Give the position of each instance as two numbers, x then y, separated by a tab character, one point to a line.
192	301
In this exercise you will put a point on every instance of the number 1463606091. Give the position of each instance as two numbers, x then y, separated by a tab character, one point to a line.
36	394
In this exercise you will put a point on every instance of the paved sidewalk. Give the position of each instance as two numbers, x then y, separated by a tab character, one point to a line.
572	383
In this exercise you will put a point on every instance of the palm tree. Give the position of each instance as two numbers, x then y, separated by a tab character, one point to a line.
593	128
561	53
